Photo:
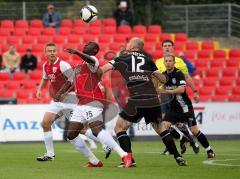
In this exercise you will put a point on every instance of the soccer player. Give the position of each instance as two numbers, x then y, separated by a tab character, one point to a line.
168	48
137	69
91	101
181	109
56	71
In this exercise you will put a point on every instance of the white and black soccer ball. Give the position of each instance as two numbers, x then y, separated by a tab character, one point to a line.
89	13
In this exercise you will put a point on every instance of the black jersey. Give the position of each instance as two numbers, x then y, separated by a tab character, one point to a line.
179	102
136	68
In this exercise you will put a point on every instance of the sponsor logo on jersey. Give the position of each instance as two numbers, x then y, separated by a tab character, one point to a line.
174	80
54	69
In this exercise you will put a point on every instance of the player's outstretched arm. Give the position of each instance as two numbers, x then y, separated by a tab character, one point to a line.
193	87
161	77
66	87
87	58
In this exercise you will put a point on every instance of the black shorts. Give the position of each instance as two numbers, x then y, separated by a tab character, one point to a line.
152	114
175	117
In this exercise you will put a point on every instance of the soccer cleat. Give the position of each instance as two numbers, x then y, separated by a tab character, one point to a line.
166	152
122	165
107	151
211	154
127	160
91	165
195	147
181	162
45	158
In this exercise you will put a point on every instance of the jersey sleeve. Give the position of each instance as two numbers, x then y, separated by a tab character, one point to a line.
180	79
93	67
44	74
66	69
153	66
114	63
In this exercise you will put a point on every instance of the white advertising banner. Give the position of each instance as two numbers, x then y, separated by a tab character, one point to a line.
23	123
212	118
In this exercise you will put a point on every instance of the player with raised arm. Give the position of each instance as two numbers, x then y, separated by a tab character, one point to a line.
91	101
137	68
57	71
181	109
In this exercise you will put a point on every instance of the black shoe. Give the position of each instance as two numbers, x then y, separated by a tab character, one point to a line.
166	152
122	165
107	151
45	158
195	147
211	154
181	162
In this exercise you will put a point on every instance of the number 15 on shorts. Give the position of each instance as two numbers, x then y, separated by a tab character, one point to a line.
89	114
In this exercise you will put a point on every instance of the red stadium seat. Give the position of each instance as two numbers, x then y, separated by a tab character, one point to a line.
232	63
115	46
29	40
179	46
21	24
180	37
13	40
238	82
19	76
7	93
30	85
36	23
209	82
7	24
74	39
156	54
64	31
38	48
44	39
215	72
165	36
204	54
109	30
22	94
217	63
234	98
222	91
70	45
120	38
229	72
201	64
105	39
151	38
97	23
88	38
190	55
109	22
36	75
124	29
207	45
226	82
206	91
5	32
13	85
234	53
35	31
236	91
79	31
22	48
49	31
155	29
205	98
139	29
66	23
20	32
192	45
59	40
149	46
220	98
219	54
95	30
78	23
4	76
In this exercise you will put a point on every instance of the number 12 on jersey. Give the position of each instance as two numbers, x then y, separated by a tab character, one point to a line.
136	67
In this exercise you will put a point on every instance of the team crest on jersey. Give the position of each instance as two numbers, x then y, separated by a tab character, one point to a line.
54	69
174	80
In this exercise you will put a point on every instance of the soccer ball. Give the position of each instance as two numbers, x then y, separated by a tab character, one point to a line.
89	13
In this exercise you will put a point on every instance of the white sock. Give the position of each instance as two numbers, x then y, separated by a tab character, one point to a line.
90	135
48	140
208	148
82	147
106	138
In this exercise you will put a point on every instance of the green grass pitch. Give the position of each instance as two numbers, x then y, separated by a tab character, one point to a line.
19	161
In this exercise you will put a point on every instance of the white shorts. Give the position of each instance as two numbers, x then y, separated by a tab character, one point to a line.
88	112
70	102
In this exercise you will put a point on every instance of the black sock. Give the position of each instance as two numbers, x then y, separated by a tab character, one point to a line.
124	141
202	139
175	134
185	131
169	143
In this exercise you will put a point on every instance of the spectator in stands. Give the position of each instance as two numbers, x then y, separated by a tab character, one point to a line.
11	60
122	14
191	68
29	61
52	18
